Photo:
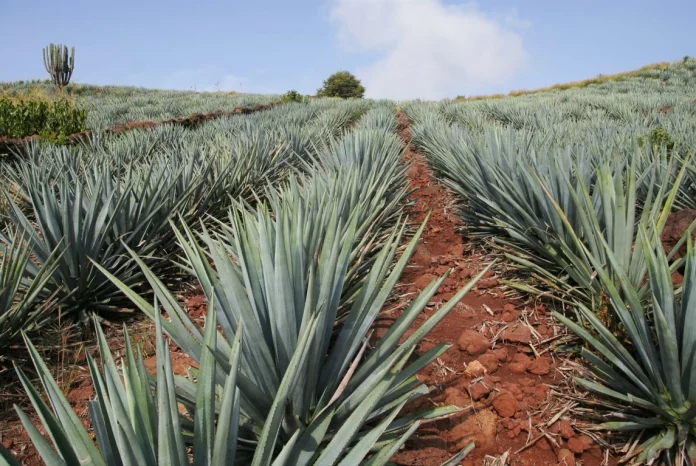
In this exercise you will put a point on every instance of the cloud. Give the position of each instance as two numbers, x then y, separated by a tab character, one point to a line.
428	49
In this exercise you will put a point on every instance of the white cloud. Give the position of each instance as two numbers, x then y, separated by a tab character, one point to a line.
428	49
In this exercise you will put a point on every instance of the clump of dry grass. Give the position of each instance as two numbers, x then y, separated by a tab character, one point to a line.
602	78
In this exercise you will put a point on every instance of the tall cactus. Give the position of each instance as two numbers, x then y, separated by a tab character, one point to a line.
58	64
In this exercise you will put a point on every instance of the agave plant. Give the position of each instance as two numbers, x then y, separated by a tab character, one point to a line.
609	215
376	152
311	389
143	201
376	214
24	298
137	420
80	226
501	176
687	198
380	117
135	417
651	371
337	117
239	167
362	174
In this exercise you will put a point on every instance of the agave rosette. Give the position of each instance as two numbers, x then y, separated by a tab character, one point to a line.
651	371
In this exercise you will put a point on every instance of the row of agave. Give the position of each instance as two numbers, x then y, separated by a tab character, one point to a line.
630	107
287	371
584	220
109	106
71	208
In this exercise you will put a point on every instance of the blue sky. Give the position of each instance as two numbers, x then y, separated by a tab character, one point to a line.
399	48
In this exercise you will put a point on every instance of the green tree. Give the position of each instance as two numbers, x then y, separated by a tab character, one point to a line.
342	84
292	96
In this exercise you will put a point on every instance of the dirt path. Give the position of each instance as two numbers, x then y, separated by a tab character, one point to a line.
497	370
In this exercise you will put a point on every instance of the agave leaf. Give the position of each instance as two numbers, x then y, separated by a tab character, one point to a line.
421	362
361	449
345	435
64	427
6	458
104	435
635	423
224	451
204	427
386	453
663	441
273	424
42	446
441	412
171	447
459	457
285	454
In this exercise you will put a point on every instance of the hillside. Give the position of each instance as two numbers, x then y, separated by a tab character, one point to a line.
326	281
654	71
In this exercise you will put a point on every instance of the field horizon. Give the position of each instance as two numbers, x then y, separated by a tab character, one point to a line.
24	86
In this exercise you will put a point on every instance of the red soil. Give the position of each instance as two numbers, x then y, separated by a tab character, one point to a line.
491	371
665	109
675	228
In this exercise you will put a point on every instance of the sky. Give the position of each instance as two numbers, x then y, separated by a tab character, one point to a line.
399	49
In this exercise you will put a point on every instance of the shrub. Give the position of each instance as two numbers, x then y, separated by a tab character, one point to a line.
342	84
659	139
52	120
292	96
